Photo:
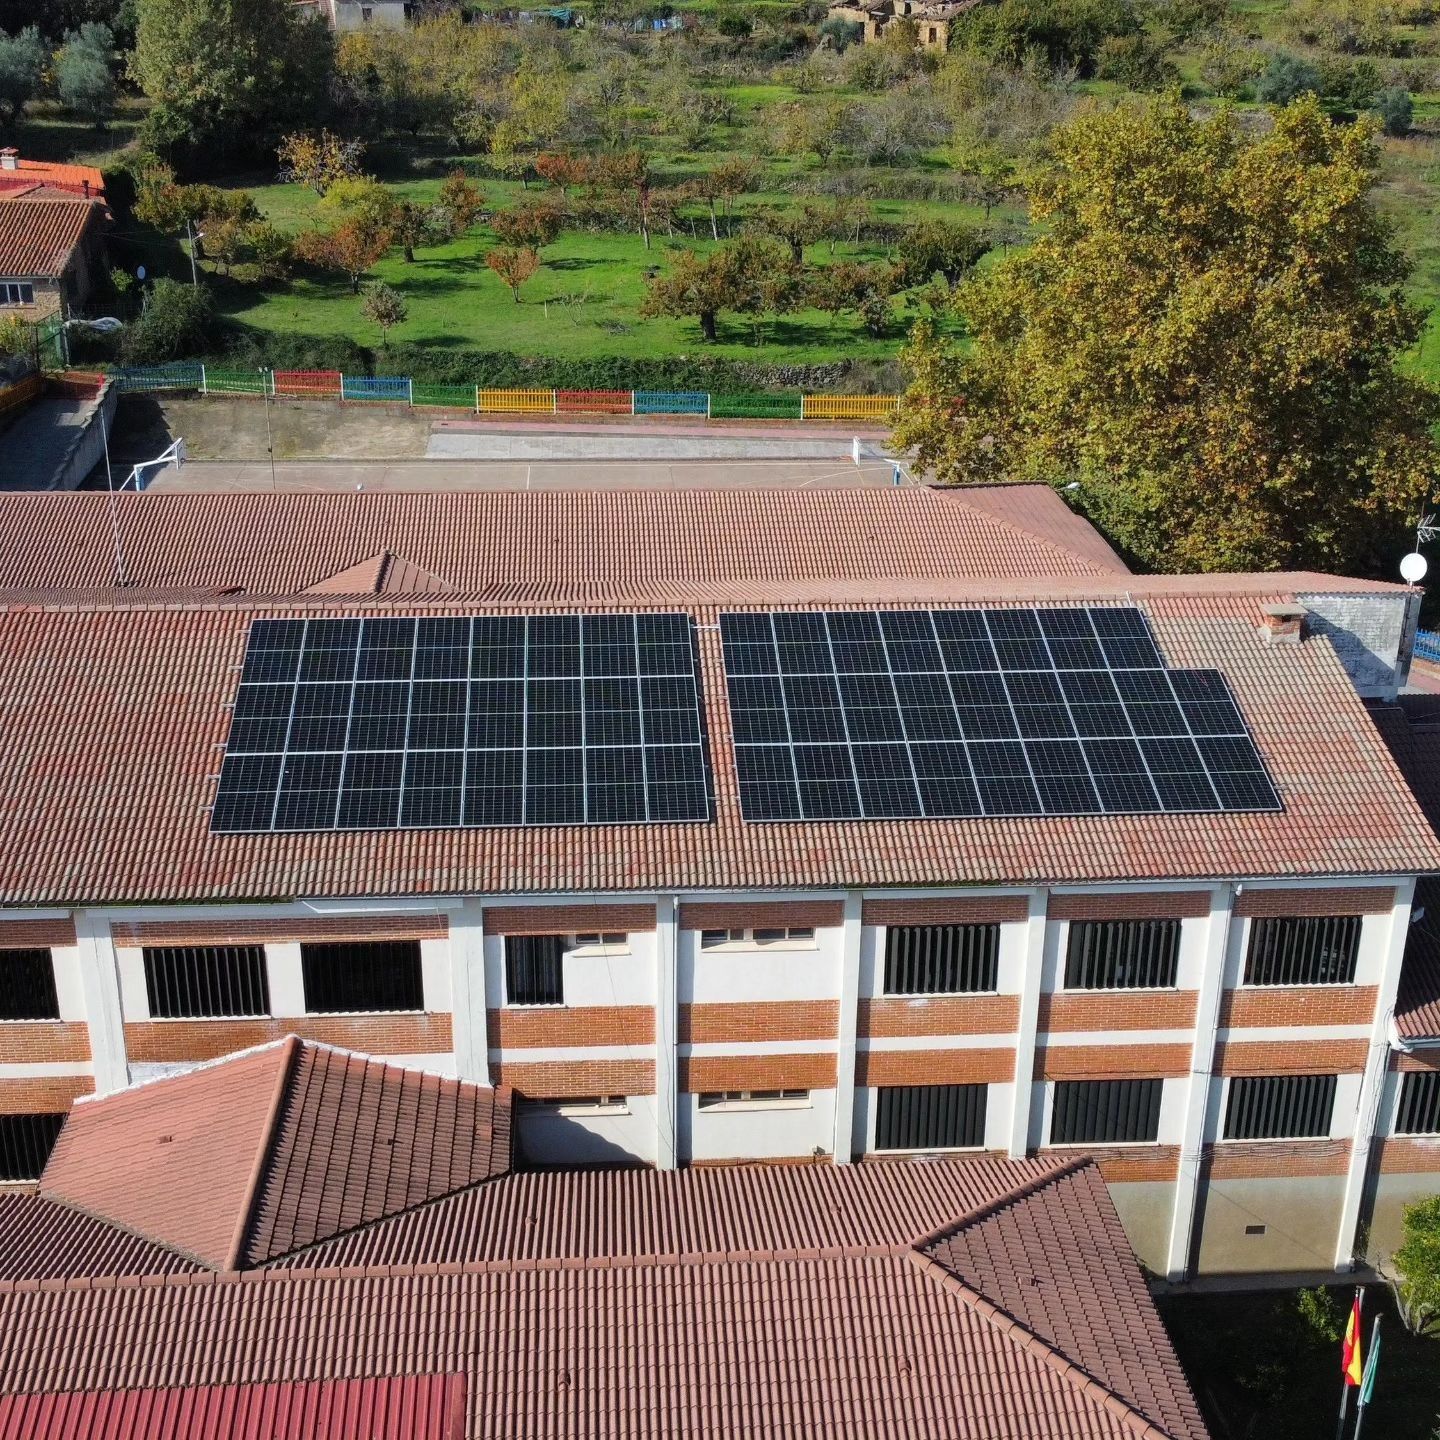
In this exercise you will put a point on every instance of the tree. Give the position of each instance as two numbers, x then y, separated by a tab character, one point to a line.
318	159
351	248
941	247
1204	335
271	251
734	178
751	276
22	62
412	225
1396	110
1417	1263
384	307
513	266
1286	78
854	285
818	130
797	228
82	73
560	170
528	226
627	177
175	323
458	204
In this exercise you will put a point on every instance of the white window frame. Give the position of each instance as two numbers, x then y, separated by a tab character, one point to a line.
785	937
727	1102
17	285
578	1105
592	942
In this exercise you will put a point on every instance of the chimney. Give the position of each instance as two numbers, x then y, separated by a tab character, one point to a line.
1282	624
9	158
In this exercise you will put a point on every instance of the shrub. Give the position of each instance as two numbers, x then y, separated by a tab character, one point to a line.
1395	109
1067	33
82	73
735	25
1135	61
175	323
1228	67
1286	78
1351	83
842	34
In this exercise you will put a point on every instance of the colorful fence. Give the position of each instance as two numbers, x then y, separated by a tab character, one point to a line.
401	390
19	395
1427	646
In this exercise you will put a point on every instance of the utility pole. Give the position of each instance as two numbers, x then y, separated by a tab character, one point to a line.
190	233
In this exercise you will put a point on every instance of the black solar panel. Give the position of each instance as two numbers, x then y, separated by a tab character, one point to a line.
900	713
425	723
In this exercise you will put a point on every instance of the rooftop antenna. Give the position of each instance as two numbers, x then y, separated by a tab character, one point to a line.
1414	565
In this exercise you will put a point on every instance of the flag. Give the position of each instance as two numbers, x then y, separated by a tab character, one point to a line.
1350	1361
1367	1387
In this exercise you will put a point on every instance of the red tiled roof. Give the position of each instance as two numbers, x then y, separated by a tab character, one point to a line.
43	1240
404	1407
838	1335
74	178
237	1162
382	574
38	237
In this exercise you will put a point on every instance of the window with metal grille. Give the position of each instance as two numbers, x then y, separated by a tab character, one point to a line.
1279	1107
941	959
534	970
930	1117
1303	950
1122	954
1419	1104
25	1144
1105	1112
201	981
27	986
358	975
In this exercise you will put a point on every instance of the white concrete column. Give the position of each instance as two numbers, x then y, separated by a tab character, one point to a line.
1025	1033
287	978
667	964
467	993
1197	1087
843	1145
1372	1082
100	984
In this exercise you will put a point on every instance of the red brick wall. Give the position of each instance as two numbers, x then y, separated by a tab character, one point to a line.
567	919
311	928
1291	1057
35	934
1275	1159
1118	1010
1111	1062
1140	905
934	1067
1124	1162
1408	1155
1298	1005
582	1025
942	1015
1420	1060
47	1095
154	1041
548	1079
1331	900
759	1020
772	915
756	1072
44	1042
956	910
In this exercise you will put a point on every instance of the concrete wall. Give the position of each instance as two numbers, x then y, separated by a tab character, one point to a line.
87	447
1146	1208
1373	634
1299	1217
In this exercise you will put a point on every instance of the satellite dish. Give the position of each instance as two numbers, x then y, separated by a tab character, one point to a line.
1413	568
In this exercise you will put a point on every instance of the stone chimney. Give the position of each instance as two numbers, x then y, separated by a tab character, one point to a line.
1282	624
9	158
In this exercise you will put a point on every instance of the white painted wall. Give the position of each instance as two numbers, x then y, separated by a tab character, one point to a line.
795	971
589	979
759	1132
548	1138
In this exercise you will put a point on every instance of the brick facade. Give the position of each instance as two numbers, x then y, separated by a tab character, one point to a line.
36	934
1111	1062
761	1020
1420	1060
551	1079
960	910
935	1067
1120	1163
568	919
1143	905
1291	1057
1328	900
158	1041
560	1025
1298	1005
1408	1155
43	1095
1275	1159
767	915
1099	1010
44	1042
939	1015
700	1073
300	928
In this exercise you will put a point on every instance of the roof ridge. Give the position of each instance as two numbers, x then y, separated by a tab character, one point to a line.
1058	1170
1034	535
1094	1389
290	1048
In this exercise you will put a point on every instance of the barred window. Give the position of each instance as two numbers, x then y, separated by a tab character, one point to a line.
27	986
941	959
1106	1112
1279	1107
362	976
1122	954
25	1144
1303	950
1419	1104
196	981
930	1117
534	970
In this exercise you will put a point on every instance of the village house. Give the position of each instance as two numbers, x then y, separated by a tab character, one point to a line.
51	251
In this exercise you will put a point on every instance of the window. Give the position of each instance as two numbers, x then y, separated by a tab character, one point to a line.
1419	1104
611	942
533	970
27	986
577	1105
206	980
794	935
1279	1107
941	959
357	976
25	1144
1303	950
1122	954
16	292
1105	1112
930	1117
754	1099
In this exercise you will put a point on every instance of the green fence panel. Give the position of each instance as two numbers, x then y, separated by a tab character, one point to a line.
462	397
755	406
236	382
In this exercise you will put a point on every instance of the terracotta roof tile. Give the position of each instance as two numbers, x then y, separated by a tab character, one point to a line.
38	237
45	1240
73	178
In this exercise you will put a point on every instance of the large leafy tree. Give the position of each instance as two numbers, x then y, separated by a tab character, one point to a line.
1204	336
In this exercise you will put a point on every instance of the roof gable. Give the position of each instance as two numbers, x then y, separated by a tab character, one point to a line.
39	237
380	574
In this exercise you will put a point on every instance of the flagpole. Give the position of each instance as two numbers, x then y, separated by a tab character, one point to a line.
1368	1387
1344	1377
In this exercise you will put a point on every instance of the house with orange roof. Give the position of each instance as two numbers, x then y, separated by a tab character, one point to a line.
51	252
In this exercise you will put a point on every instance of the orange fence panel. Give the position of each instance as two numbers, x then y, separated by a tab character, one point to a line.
595	402
307	382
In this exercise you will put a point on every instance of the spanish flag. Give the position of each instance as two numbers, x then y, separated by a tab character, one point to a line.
1350	1359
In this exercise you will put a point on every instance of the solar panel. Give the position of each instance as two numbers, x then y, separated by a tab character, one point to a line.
1005	712
429	723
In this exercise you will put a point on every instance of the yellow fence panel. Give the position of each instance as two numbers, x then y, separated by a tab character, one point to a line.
847	407
528	402
21	394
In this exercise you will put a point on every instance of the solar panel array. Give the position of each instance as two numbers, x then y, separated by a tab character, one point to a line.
1005	712
422	723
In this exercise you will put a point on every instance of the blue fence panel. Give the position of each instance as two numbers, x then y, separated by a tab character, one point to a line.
672	402
1427	645
375	387
159	377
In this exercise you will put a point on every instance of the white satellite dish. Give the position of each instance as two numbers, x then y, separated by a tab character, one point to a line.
1413	568
139	272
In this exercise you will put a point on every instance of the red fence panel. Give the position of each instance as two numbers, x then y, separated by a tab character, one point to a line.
594	402
308	382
